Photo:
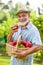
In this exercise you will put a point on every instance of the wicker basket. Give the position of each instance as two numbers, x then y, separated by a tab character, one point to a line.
11	49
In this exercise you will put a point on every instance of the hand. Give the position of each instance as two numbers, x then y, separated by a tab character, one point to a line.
14	28
20	54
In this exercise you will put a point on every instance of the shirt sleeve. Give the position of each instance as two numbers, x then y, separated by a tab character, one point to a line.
36	39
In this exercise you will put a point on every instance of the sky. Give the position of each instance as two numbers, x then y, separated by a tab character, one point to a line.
33	3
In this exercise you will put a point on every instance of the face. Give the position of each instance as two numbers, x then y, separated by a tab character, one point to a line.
22	17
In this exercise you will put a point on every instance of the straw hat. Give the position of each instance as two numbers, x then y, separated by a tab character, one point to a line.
22	9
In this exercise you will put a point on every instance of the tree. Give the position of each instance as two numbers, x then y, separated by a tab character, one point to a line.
5	7
1	5
27	4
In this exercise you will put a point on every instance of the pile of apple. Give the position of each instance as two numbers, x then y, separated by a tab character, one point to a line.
22	44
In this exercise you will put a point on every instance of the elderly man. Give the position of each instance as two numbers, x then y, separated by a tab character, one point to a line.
29	33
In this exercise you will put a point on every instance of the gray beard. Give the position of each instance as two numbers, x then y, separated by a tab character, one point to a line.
23	23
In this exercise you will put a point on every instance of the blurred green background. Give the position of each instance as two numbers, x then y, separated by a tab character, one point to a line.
7	19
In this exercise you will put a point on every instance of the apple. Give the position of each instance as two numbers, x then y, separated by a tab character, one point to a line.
20	45
28	44
13	43
23	42
15	26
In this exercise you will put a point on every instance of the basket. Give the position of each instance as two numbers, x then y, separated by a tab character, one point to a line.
11	49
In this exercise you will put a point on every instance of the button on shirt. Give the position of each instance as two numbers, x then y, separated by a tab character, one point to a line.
30	34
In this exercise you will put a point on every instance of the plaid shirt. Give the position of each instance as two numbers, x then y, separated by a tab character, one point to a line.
30	34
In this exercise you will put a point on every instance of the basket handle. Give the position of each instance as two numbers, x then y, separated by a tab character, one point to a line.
19	39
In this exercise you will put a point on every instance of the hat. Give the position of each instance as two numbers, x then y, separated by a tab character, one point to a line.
23	9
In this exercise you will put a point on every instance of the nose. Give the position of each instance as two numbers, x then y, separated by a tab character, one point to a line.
21	17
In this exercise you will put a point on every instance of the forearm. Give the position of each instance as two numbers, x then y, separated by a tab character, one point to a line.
12	31
33	49
9	37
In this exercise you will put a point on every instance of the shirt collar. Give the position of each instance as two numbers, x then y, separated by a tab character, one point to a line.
28	26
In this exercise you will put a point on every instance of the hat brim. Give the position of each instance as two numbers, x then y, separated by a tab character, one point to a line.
22	12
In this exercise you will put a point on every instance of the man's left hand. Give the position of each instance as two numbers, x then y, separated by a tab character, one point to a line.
21	54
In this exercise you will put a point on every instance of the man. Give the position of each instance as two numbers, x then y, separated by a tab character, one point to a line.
29	33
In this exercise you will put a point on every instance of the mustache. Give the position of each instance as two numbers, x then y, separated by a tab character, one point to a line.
23	20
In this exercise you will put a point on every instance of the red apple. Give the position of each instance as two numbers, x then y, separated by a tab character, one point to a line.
15	26
15	42
23	42
11	43
28	44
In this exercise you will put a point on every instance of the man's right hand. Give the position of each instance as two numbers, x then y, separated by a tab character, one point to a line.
14	28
